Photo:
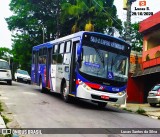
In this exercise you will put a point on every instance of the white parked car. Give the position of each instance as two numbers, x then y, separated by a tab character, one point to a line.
5	72
22	76
154	96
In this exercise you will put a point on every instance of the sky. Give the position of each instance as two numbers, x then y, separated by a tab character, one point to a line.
5	34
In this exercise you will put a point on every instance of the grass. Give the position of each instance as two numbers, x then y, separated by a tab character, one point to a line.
1	109
127	109
141	111
8	135
6	120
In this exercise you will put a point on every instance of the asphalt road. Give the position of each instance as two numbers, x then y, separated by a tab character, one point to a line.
33	109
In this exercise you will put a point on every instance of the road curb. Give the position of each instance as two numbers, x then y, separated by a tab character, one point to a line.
155	117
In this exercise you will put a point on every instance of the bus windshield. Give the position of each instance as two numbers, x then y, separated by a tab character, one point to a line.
104	64
4	65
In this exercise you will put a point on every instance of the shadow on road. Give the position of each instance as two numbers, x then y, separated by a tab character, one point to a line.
84	104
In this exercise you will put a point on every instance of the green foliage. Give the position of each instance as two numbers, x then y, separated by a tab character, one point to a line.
5	53
38	21
101	13
141	111
137	40
33	20
127	109
1	108
6	120
136	37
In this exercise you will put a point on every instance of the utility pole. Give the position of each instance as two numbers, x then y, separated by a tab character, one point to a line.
128	22
127	6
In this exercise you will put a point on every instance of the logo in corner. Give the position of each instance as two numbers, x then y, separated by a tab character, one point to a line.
142	3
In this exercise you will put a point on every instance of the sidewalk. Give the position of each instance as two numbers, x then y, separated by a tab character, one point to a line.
153	112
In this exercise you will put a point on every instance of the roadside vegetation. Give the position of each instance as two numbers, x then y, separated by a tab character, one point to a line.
1	109
141	111
36	22
129	110
6	120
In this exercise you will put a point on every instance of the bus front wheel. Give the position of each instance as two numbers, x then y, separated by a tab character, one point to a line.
64	93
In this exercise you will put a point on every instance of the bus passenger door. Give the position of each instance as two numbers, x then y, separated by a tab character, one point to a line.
48	65
72	86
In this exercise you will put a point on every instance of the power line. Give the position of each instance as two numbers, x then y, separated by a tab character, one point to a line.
107	12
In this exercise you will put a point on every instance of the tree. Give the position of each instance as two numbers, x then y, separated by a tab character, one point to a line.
136	37
5	53
100	14
34	23
38	21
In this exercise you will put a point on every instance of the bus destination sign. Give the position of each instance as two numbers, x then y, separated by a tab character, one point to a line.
107	43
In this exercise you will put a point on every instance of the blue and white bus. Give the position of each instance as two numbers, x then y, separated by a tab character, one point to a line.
87	65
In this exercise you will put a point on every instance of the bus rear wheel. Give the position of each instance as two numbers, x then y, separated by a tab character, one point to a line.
102	104
64	93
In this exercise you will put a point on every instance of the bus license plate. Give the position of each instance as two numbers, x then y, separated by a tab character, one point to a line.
105	97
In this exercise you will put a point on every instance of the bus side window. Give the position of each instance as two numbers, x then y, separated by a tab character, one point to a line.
56	49
54	59
67	53
40	60
68	47
59	58
44	59
54	53
60	53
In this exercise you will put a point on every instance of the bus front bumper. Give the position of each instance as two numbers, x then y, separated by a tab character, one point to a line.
99	96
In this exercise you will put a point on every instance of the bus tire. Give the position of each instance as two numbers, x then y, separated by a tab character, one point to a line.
64	93
102	104
9	82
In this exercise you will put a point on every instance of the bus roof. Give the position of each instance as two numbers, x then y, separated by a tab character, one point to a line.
49	44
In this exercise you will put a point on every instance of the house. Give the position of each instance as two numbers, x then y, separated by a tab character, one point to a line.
142	80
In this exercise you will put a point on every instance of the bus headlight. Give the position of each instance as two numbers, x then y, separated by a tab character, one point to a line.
84	85
8	75
121	93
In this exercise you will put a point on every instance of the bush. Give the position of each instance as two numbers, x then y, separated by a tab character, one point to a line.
141	111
